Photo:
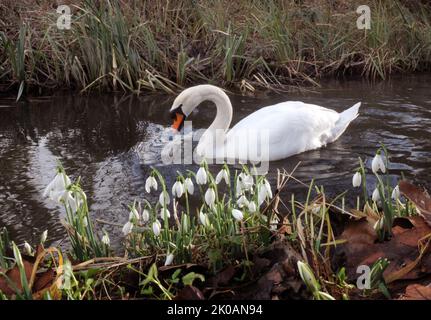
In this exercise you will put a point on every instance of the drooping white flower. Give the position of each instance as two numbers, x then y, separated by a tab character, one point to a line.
252	207
267	188
357	180
396	193
164	198
203	218
378	164
264	191
223	174
127	228
201	176
164	211
246	181
376	195
210	197
177	189
237	214
188	185
150	183
133	214
145	216
242	201
57	186
273	222
169	259
44	237
106	240
28	249
156	228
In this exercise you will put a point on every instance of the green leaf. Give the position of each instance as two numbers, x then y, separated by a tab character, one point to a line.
190	277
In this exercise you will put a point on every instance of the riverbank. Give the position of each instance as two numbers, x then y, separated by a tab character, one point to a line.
244	241
136	46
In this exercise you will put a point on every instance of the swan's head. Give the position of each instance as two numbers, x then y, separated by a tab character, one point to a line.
183	106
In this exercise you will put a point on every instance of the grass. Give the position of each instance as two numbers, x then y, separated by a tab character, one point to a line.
136	46
170	245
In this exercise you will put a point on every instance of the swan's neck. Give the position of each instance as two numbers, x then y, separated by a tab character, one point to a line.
224	109
216	132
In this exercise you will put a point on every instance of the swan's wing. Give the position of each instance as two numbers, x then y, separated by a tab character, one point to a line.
292	126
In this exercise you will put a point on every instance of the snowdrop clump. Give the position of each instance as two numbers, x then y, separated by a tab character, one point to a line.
220	215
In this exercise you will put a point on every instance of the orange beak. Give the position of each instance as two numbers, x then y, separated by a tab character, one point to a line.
178	121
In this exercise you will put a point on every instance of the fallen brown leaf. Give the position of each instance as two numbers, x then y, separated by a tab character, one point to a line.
419	197
417	292
14	276
402	250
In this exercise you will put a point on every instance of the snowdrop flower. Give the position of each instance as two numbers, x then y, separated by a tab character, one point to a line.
223	174
133	215
242	201
28	249
356	180
44	237
156	228
145	216
201	176
273	223
378	164
106	240
245	180
188	185
150	183
267	188
396	193
57	186
169	259
264	191
177	189
164	198
203	218
210	197
252	207
127	228
237	214
162	213
376	195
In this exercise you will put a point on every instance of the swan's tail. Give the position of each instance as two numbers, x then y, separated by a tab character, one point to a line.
346	117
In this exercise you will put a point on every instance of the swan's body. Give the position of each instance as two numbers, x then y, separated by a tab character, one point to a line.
284	129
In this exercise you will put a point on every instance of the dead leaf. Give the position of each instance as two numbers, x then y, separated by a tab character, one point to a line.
419	197
14	276
402	250
417	292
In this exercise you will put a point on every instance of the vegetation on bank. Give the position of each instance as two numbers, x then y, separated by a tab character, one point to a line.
242	241
166	45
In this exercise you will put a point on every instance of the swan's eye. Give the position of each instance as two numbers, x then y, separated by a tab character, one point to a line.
176	110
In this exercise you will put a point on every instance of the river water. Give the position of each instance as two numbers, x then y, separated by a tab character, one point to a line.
111	141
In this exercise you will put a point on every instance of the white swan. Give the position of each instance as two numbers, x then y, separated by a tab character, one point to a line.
285	128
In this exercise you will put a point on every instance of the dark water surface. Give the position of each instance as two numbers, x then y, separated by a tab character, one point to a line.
102	137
